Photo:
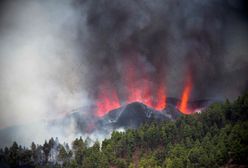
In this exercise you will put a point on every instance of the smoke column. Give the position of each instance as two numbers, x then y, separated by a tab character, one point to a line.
144	48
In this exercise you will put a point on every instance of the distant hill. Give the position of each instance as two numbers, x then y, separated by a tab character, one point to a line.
81	122
217	137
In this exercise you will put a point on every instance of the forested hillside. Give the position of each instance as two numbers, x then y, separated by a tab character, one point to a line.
216	137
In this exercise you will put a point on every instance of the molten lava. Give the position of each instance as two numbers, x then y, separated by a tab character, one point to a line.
183	106
140	88
139	84
137	87
107	100
161	98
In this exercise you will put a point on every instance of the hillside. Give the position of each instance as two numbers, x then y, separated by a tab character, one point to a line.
216	137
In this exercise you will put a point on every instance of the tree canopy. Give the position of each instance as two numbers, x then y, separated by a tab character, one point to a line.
216	137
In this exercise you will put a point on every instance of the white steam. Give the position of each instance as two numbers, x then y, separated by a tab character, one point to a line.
41	73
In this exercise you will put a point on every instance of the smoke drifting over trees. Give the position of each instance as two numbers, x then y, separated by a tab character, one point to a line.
57	56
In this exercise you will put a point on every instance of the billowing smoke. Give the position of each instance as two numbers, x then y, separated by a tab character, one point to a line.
41	72
167	41
56	56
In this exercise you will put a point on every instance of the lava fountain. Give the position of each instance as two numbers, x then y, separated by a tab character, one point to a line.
139	91
183	106
137	85
160	98
107	99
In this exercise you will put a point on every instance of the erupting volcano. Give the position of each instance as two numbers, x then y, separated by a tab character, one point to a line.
138	86
108	98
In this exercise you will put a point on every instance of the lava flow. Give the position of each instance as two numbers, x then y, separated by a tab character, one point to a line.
183	106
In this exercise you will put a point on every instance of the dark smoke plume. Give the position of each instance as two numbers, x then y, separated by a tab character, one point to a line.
168	39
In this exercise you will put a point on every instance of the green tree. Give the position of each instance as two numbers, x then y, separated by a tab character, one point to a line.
33	152
64	156
148	162
79	149
46	150
14	155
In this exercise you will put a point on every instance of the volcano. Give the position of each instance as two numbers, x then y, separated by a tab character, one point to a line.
135	114
130	115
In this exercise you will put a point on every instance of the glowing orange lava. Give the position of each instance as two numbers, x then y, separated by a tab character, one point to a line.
183	106
137	87
161	98
107	100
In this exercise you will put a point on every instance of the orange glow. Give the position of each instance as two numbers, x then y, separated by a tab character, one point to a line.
161	98
137	87
140	88
107	100
183	106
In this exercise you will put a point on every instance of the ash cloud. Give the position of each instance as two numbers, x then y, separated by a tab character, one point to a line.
207	38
